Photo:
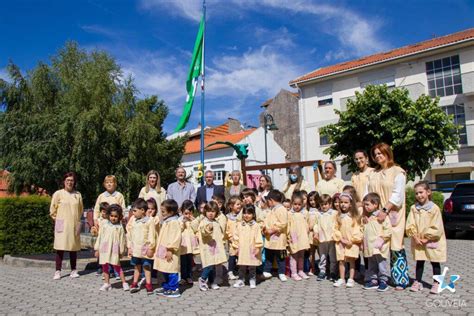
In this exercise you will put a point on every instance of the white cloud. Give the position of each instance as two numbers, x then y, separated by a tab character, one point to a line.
158	75
100	30
257	72
356	34
190	9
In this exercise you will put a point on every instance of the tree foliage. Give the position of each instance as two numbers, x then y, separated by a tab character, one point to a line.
419	131
80	113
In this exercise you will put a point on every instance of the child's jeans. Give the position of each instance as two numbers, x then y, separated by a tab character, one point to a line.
186	266
378	269
209	273
252	272
171	281
327	250
272	254
232	264
296	262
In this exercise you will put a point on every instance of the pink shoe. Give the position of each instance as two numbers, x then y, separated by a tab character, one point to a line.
296	277
303	275
434	288
416	287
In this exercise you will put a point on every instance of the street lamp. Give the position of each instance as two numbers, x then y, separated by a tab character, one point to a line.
268	125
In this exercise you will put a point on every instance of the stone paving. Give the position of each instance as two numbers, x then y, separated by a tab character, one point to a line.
32	291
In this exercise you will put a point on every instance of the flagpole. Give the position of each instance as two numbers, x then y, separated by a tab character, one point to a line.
202	89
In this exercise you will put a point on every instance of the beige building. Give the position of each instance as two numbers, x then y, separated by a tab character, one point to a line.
442	66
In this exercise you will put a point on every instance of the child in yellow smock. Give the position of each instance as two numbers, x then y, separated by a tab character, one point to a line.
275	229
298	233
376	245
425	227
211	245
323	231
110	245
348	236
248	243
189	241
167	254
313	207
141	245
234	208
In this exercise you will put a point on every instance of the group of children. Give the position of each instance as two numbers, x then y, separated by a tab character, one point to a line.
248	236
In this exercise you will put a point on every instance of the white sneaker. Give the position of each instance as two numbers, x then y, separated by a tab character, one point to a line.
203	285
232	276
57	275
106	287
74	274
141	282
214	286
310	273
350	283
239	283
339	283
126	287
253	283
282	277
267	275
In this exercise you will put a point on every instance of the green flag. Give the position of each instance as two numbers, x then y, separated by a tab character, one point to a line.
195	70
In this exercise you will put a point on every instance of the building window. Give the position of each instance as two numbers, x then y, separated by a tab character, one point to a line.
323	139
444	77
219	176
327	101
459	118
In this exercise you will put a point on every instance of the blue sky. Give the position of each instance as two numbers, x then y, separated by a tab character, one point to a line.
253	47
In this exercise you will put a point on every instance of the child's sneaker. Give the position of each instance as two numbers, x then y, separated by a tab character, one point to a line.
57	275
332	277
434	288
231	276
339	283
296	277
214	286
310	273
171	293
382	287
203	285
105	287
239	283
267	275
282	277
253	283
159	291
350	283
149	288
125	286
371	285
134	288
303	275
416	287
321	276
74	274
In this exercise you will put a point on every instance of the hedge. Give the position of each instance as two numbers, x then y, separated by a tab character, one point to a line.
437	198
25	226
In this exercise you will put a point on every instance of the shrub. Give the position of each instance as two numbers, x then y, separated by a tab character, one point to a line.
25	225
437	198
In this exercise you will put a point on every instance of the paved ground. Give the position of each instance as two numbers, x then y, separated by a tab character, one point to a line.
32	291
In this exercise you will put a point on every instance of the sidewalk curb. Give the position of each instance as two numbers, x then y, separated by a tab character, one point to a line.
82	264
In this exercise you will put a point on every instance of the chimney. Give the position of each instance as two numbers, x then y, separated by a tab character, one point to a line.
234	125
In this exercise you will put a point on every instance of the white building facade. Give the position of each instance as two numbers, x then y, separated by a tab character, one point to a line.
442	67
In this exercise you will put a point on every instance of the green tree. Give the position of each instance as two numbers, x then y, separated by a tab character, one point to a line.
80	113
418	131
